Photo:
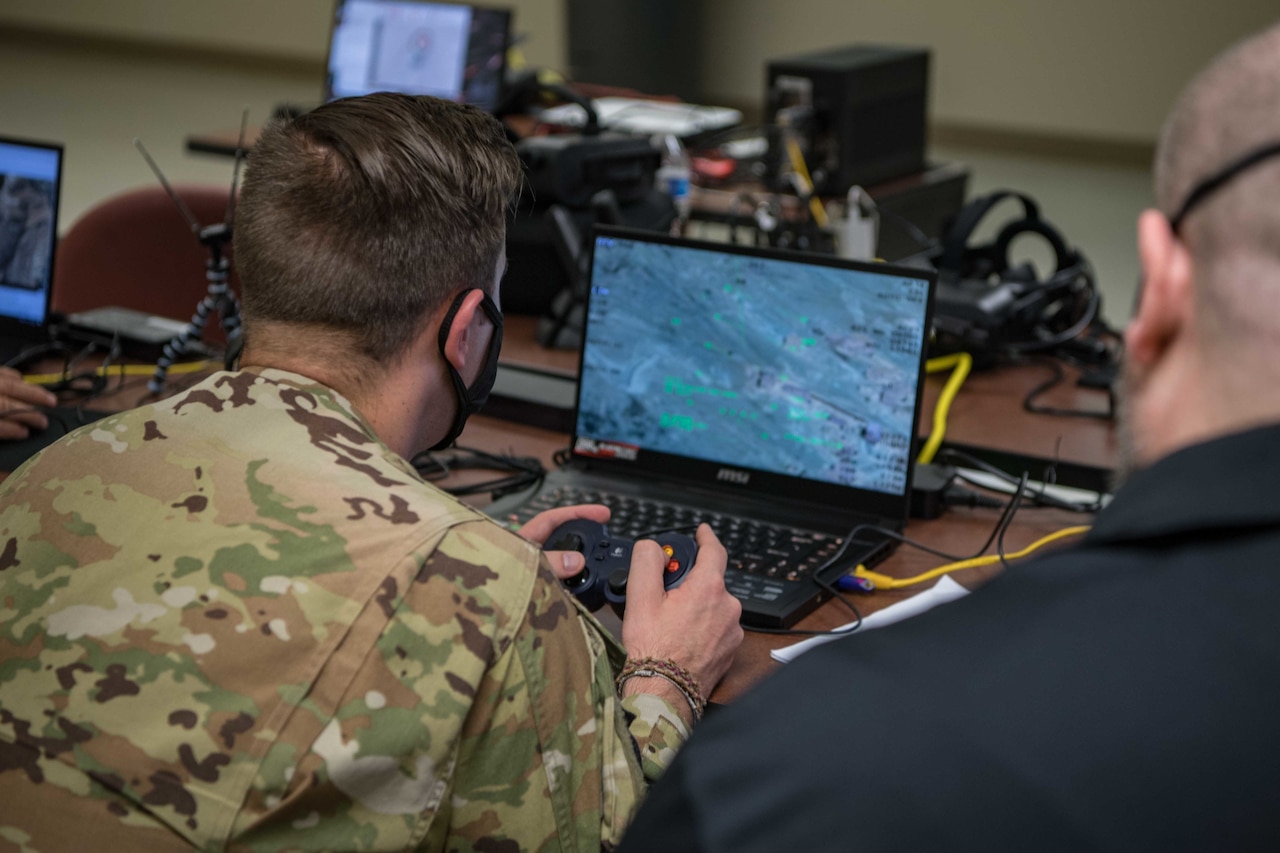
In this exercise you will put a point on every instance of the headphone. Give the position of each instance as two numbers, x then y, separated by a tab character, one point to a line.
989	306
992	259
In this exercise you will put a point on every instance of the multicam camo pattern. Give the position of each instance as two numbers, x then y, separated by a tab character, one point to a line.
237	620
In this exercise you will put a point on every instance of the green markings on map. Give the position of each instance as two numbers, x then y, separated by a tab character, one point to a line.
679	388
804	344
687	423
672	385
815	442
801	415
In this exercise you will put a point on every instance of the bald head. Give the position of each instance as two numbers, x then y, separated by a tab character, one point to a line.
1231	109
1202	351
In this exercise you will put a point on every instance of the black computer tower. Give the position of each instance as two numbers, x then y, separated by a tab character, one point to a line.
652	46
859	113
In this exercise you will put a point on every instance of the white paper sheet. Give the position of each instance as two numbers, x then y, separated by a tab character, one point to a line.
636	115
943	591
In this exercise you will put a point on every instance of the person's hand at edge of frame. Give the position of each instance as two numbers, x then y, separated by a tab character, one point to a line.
19	405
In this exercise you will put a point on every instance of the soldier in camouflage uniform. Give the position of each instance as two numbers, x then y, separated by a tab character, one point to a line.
238	619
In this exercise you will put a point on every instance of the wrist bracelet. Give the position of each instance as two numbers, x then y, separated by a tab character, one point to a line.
670	671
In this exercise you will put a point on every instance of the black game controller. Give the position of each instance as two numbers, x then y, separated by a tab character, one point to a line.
609	561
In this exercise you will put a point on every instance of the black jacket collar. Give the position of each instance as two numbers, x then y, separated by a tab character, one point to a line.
1228	482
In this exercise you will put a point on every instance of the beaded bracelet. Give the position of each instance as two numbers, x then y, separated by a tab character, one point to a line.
671	671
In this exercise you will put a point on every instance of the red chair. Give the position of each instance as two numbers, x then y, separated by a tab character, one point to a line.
136	250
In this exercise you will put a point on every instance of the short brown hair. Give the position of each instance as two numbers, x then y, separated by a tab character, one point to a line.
367	213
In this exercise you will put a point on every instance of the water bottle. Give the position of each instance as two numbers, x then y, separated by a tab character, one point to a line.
673	178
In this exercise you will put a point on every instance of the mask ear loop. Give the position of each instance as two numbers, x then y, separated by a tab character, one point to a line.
467	404
1212	183
487	305
446	325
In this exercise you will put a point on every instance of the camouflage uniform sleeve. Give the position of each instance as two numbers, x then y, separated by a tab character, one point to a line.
482	716
655	727
657	730
581	743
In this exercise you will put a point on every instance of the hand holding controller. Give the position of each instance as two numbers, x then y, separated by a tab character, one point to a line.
608	561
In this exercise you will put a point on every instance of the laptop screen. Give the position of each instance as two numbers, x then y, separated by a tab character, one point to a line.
30	183
794	369
448	50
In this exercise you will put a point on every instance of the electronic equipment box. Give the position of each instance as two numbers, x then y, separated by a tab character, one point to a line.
858	113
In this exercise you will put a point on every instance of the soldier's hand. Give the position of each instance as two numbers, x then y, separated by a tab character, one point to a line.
695	624
565	564
19	402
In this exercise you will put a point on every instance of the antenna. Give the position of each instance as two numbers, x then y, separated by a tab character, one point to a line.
164	182
235	171
219	297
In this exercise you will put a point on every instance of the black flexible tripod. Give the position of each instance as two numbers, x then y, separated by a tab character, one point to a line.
219	296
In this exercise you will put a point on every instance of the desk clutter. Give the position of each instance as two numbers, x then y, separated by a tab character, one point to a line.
837	168
44	314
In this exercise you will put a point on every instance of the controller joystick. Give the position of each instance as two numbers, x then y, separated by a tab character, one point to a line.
608	561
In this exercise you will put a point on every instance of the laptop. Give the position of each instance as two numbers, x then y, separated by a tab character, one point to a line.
450	50
772	394
30	188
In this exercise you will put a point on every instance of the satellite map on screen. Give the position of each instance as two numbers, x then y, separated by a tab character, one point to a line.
777	365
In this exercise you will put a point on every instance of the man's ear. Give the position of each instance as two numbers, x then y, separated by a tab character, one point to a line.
1166	302
459	345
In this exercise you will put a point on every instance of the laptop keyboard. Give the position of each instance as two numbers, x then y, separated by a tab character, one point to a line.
760	551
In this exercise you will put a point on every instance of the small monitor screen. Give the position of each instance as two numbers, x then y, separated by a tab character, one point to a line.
29	184
448	50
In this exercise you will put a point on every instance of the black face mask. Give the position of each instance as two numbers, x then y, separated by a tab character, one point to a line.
469	400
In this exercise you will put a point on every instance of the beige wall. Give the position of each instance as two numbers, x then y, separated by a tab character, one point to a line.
96	73
285	29
1105	69
1096	69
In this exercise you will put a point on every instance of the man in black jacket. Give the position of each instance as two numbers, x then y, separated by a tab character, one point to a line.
1122	694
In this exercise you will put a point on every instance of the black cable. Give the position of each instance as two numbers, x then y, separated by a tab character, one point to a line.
35	351
804	632
958	497
430	466
1040	497
522	472
1014	502
85	385
1002	523
1058	375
